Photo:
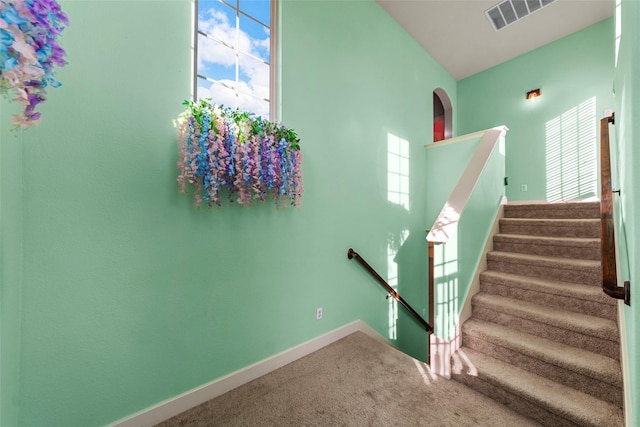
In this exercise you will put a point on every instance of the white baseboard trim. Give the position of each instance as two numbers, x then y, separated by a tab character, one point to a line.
174	406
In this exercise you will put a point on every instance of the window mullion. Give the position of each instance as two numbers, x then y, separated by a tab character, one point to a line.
273	60
223	43
237	52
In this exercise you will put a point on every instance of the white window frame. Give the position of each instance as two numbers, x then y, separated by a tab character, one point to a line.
273	53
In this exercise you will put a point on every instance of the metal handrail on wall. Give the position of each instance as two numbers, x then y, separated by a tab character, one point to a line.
353	254
607	231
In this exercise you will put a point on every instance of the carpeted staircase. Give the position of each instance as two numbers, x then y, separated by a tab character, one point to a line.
543	338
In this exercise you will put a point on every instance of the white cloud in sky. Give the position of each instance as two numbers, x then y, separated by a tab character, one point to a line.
254	74
223	96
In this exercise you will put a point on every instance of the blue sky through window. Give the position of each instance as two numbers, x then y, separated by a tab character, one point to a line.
259	9
235	53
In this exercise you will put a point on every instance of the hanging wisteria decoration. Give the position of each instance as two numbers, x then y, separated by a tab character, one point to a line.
249	158
29	49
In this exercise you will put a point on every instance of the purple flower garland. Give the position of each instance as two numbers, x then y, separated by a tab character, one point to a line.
248	157
29	30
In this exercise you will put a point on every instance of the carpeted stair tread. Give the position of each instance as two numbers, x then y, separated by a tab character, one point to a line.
566	247
575	297
543	338
579	263
580	361
563	227
581	323
553	210
571	405
587	272
567	241
555	287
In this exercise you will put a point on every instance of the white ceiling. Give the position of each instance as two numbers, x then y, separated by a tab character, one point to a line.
460	37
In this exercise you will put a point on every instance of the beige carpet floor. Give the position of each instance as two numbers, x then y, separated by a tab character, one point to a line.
356	381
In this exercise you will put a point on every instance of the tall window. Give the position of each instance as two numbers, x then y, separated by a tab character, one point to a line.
234	54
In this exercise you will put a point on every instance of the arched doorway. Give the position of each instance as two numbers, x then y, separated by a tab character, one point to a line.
442	128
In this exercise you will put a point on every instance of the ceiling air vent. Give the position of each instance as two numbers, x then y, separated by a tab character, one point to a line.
509	11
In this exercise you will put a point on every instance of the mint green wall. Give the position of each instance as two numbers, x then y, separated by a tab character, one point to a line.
126	295
569	71
10	265
445	164
350	78
104	311
627	129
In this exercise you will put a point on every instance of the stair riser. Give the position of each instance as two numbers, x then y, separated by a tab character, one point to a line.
591	230
586	276
582	211
561	251
604	310
513	401
585	383
606	347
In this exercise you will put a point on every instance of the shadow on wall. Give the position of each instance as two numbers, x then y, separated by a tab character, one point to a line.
446	286
412	283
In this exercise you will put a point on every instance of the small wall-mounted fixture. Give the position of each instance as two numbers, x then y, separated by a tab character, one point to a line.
533	94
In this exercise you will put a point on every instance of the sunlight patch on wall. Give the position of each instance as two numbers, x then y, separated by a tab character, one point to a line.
397	194
445	271
398	170
571	157
446	221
